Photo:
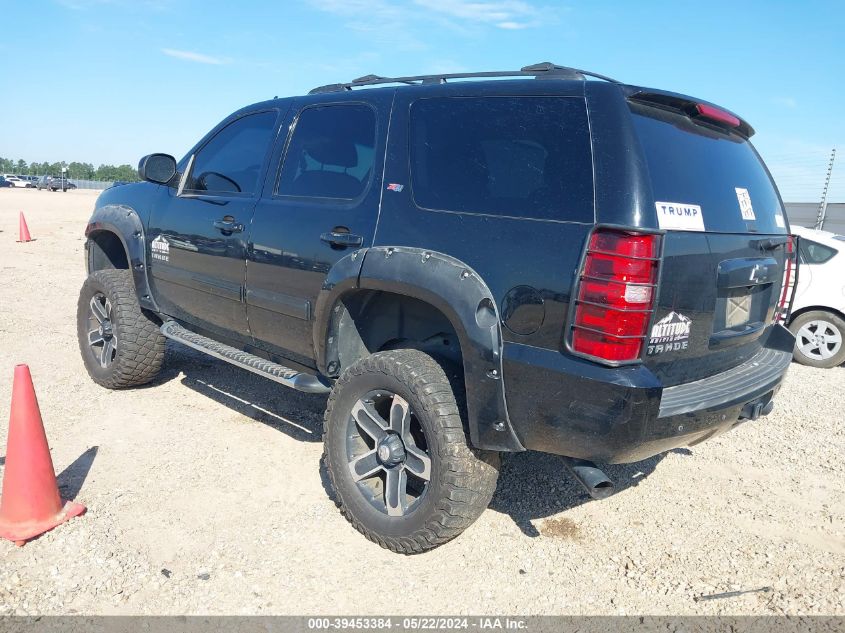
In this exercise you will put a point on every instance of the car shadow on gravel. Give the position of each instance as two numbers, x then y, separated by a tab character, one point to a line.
531	485
536	485
297	414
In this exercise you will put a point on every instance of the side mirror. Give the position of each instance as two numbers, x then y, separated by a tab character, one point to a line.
157	168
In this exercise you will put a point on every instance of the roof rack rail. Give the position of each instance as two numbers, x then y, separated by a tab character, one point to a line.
543	70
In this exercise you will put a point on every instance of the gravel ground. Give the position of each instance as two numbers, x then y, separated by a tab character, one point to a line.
205	493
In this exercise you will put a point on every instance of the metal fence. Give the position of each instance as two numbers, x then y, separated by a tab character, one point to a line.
806	172
84	184
91	184
807	213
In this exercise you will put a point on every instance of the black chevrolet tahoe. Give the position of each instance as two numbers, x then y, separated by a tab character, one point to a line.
543	259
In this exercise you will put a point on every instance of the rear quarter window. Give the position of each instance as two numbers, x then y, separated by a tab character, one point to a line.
526	157
814	253
692	164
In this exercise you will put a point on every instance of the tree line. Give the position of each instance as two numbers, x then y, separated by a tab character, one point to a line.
79	171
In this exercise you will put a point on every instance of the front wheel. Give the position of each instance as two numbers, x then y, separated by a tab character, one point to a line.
818	339
121	344
397	454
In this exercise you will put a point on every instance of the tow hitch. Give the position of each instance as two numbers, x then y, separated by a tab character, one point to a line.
757	408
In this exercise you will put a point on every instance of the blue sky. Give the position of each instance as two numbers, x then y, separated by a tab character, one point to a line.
106	81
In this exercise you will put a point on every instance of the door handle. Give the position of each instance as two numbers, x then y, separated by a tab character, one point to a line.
342	239
771	243
228	225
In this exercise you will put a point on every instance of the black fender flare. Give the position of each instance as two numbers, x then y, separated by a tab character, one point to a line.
342	278
124	222
461	295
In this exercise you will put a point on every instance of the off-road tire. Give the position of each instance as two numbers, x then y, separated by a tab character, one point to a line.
140	345
463	480
823	316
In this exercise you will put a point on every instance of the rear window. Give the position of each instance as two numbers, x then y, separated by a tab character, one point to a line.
690	164
525	157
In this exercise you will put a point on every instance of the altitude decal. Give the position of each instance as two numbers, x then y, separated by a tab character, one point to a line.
160	248
670	334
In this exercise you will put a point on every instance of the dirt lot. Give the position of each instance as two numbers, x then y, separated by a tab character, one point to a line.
205	494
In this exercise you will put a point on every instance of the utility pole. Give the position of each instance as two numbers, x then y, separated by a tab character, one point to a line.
823	204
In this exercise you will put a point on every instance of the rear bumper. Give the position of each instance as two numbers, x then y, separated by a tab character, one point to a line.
737	386
567	406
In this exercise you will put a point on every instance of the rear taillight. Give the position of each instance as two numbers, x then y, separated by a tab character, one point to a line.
616	293
781	314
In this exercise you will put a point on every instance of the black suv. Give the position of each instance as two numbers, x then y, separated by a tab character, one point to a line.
574	266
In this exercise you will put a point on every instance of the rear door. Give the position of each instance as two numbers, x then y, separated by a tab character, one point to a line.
321	204
724	247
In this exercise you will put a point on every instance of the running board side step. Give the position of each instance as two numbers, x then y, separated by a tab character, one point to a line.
257	365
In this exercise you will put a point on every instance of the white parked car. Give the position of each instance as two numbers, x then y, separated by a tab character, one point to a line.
818	313
18	182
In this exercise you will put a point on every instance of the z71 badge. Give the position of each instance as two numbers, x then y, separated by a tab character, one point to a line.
670	334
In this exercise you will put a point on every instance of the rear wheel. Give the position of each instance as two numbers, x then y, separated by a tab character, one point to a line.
121	345
397	455
819	339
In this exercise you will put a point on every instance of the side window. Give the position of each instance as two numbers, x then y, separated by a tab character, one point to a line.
331	153
813	252
515	156
231	161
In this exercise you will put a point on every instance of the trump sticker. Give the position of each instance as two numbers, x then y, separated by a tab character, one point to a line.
679	216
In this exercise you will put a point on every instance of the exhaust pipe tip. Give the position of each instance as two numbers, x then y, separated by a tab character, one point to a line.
597	484
602	490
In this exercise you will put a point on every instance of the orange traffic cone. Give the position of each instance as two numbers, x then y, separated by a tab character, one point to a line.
23	230
30	504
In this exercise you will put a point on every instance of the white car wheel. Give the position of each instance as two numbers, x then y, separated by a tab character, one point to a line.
818	339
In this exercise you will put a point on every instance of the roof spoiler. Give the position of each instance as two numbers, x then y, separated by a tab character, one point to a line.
696	109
